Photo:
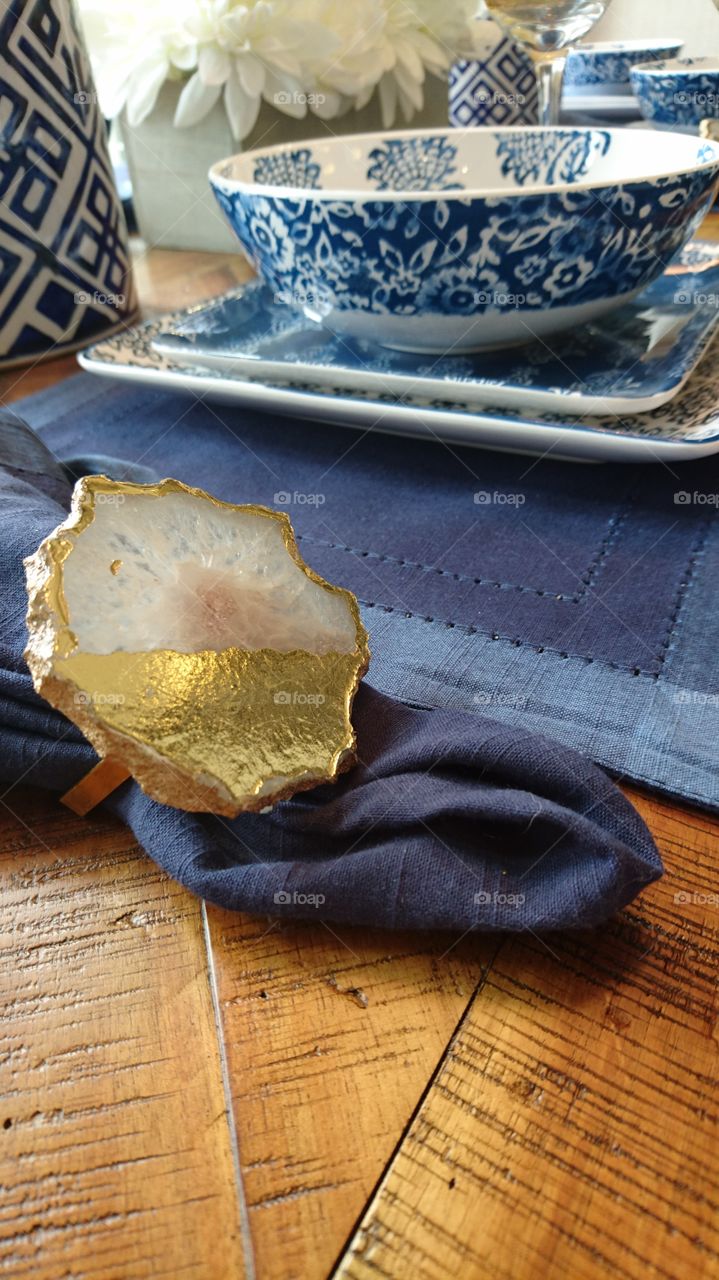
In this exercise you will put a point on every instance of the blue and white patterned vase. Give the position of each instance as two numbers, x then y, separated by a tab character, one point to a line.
64	264
495	84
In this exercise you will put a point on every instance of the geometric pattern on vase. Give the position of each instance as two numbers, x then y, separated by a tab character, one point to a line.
64	261
499	89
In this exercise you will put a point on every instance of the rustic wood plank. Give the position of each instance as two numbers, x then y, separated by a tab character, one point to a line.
709	230
572	1127
342	1110
167	279
116	1156
330	1042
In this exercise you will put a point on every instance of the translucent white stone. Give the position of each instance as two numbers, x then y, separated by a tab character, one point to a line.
178	573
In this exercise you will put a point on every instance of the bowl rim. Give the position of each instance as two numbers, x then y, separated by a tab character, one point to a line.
599	47
688	66
328	195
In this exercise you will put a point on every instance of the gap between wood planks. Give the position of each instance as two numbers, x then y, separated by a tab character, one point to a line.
486	969
575	1107
248	1250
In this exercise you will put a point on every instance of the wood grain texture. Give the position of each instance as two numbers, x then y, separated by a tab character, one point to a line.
571	1129
330	1043
116	1158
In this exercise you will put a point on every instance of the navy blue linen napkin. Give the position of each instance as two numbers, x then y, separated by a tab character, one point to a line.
449	820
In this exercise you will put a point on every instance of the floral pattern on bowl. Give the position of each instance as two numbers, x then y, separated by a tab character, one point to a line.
458	269
288	169
678	93
564	157
605	67
414	164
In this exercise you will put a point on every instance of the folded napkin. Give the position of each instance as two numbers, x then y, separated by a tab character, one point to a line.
449	820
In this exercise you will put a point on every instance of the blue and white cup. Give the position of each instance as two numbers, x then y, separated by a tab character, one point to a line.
604	68
65	274
679	93
494	83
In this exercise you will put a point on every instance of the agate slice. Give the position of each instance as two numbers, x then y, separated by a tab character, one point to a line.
192	645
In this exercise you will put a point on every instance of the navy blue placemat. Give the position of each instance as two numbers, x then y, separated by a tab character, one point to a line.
578	600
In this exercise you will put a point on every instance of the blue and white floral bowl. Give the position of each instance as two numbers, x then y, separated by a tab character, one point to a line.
679	93
456	240
604	67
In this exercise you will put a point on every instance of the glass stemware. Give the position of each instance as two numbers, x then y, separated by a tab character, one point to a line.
545	28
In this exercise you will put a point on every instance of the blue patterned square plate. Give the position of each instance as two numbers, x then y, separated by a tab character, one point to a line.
686	429
631	361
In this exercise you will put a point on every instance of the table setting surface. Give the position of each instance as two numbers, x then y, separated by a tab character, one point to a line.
632	387
360	1095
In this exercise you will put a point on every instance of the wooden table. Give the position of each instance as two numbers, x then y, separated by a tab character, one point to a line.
196	1094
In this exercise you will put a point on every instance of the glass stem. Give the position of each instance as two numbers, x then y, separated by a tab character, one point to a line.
550	74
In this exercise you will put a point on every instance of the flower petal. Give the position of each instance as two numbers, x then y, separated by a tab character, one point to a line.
184	56
213	64
326	103
251	74
286	94
143	88
196	99
241	109
408	57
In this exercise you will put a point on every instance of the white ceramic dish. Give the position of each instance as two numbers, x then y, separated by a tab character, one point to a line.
688	428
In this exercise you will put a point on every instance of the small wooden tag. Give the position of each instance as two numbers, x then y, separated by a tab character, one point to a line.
95	786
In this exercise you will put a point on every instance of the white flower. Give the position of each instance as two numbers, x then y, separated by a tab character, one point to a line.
327	55
135	47
250	51
389	45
